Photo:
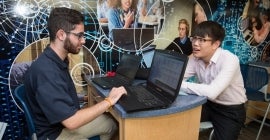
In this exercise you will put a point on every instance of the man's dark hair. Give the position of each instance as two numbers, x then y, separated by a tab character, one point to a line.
210	28
63	18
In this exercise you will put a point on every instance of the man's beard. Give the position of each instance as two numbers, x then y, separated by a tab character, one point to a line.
70	47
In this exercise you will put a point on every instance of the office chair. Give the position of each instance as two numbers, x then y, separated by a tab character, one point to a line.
255	82
20	94
205	126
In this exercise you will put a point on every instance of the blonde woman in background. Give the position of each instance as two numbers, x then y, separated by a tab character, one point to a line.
122	14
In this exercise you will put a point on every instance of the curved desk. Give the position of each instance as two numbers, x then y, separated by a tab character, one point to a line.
180	121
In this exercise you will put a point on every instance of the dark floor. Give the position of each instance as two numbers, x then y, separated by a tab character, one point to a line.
248	133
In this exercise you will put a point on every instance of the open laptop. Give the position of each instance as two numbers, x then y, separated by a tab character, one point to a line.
124	75
162	86
133	38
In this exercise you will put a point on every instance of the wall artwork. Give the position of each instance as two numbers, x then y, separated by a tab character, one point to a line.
23	25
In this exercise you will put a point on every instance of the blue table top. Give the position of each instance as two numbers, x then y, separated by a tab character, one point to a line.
182	103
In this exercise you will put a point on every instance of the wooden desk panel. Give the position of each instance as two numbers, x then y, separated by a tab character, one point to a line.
182	125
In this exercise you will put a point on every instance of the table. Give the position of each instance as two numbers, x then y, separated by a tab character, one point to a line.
180	121
103	24
151	21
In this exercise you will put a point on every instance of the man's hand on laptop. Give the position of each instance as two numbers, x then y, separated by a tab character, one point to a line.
116	93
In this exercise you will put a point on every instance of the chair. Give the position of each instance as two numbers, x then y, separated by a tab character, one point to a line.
19	94
256	82
205	126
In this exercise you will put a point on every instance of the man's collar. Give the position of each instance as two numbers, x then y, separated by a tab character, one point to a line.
216	55
183	40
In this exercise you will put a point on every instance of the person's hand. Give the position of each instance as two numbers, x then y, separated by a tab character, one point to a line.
129	18
144	2
116	93
143	11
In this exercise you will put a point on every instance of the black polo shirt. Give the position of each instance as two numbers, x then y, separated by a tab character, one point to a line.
51	93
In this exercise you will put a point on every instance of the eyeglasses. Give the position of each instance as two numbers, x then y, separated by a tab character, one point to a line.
179	28
79	35
199	39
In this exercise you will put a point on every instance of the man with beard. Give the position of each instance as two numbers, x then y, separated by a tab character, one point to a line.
51	93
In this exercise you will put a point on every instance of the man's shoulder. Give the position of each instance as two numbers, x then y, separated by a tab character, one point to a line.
43	62
176	40
228	56
228	53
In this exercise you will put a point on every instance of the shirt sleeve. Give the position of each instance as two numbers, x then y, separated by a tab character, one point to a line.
114	20
219	83
190	69
98	11
55	95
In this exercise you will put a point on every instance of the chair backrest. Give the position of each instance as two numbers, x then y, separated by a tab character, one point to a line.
20	95
254	77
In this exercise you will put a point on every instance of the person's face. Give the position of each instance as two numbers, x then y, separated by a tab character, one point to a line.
126	4
75	39
264	18
199	14
204	47
256	3
182	29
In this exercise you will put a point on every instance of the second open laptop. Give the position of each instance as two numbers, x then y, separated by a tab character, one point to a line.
162	86
124	75
133	38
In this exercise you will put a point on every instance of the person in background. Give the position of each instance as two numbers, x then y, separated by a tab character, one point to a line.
262	33
122	14
199	14
219	79
156	7
182	43
143	7
51	93
102	8
150	7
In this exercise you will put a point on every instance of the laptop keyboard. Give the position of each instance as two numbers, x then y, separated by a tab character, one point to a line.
117	80
144	96
112	81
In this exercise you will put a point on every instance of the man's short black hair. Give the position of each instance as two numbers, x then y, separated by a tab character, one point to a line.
210	28
63	18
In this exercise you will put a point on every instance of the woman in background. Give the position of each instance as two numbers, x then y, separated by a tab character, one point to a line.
122	14
261	33
199	14
102	8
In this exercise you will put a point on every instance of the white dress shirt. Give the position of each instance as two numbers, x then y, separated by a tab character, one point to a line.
221	81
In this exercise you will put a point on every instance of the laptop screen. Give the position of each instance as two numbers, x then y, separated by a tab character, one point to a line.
128	65
167	71
133	38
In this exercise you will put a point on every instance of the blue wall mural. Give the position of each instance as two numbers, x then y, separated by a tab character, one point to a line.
23	22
